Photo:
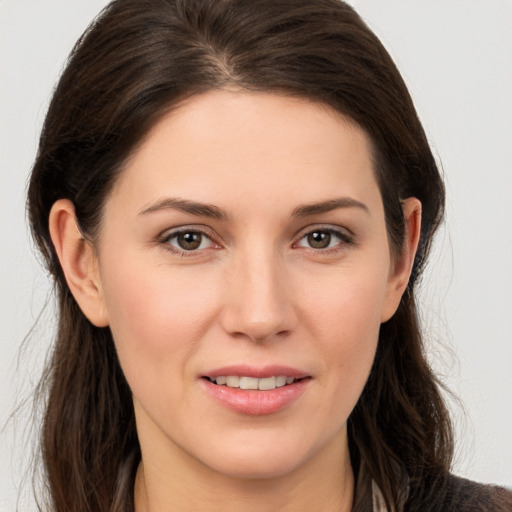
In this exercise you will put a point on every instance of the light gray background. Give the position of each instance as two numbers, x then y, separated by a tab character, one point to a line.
456	57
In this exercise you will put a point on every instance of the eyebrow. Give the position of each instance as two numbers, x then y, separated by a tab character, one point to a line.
212	211
192	207
305	210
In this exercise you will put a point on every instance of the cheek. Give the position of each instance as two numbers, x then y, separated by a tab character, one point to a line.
157	318
347	303
343	316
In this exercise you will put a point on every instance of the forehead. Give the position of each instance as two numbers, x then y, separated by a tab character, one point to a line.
229	143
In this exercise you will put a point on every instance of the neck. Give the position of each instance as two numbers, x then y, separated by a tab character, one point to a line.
325	482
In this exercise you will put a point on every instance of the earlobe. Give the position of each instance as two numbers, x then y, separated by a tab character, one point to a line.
403	263
78	262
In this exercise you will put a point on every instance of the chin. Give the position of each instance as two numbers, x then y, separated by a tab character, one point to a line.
258	468
261	459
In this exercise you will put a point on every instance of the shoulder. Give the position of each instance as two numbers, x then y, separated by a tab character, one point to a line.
466	496
451	493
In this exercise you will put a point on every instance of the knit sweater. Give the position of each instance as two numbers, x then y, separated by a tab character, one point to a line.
467	496
460	495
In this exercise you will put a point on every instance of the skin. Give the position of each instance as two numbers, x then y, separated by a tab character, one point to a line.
254	292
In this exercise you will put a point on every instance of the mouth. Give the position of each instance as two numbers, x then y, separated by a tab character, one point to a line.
264	391
253	383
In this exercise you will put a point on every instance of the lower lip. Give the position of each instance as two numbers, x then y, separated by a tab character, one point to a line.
255	402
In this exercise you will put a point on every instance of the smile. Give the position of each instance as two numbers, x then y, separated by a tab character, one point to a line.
246	383
249	396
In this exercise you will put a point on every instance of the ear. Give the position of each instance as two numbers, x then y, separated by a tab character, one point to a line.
401	266
78	261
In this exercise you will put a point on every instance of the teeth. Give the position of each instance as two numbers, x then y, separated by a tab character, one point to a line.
248	383
243	382
265	384
232	381
280	381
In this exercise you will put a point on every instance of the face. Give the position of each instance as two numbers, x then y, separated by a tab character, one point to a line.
244	246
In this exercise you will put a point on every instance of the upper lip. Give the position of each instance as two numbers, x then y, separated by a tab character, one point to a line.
257	372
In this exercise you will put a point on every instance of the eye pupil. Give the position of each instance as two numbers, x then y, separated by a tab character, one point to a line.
189	240
319	239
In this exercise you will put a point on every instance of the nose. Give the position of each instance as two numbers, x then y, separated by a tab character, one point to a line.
258	301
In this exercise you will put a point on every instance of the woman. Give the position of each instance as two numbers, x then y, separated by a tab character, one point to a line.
236	200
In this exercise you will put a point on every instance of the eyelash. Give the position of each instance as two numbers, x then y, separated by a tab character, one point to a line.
165	241
345	239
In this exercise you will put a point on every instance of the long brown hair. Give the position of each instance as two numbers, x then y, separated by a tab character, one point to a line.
135	62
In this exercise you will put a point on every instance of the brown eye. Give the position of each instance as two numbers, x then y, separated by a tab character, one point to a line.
319	239
189	241
325	238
